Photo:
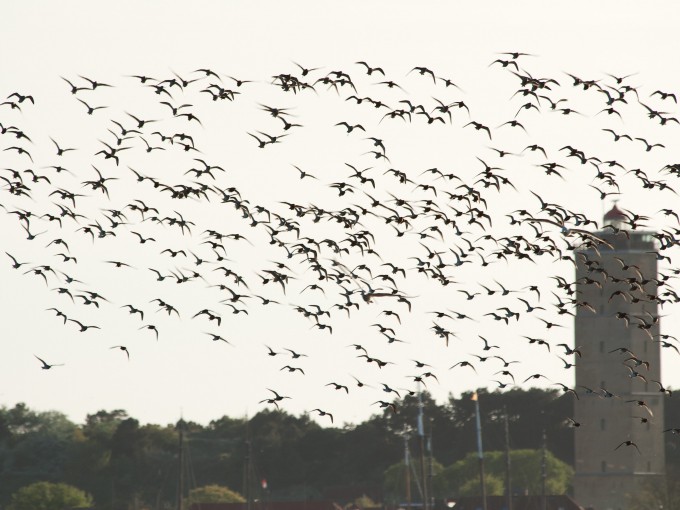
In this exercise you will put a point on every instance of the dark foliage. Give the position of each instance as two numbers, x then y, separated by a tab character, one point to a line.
121	462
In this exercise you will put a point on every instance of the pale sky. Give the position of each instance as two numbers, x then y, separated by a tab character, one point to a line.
184	371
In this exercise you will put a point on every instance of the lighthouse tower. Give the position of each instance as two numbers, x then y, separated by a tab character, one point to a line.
620	362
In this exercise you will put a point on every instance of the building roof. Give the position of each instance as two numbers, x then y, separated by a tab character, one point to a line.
269	505
614	214
553	502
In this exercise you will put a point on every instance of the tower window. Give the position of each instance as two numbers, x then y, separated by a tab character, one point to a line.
602	424
601	347
649	466
603	466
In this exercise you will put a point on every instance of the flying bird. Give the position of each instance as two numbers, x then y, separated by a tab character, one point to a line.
47	366
122	348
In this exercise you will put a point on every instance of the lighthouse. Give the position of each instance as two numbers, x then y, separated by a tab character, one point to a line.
619	445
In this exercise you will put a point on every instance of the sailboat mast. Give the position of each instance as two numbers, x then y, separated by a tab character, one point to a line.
248	469
180	481
407	470
430	474
421	434
480	450
508	477
544	471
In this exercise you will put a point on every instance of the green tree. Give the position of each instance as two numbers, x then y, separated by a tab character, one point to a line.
49	496
367	450
526	472
33	447
395	481
658	493
439	422
530	411
214	494
365	503
493	484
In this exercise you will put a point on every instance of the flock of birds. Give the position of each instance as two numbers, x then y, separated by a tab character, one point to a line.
343	243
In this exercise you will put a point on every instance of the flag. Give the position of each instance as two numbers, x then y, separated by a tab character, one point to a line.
474	397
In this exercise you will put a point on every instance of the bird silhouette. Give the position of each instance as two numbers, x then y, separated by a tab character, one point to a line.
122	348
47	366
217	233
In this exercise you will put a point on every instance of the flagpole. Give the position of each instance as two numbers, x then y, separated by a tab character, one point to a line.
544	472
508	477
480	451
407	470
421	433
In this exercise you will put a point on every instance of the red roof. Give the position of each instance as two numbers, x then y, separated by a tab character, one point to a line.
615	214
269	505
553	502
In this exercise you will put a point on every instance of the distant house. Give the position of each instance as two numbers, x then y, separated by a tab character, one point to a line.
471	503
518	503
268	505
343	494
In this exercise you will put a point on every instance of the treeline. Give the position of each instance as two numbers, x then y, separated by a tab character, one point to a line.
124	464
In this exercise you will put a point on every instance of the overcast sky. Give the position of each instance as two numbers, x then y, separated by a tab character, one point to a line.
184	371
